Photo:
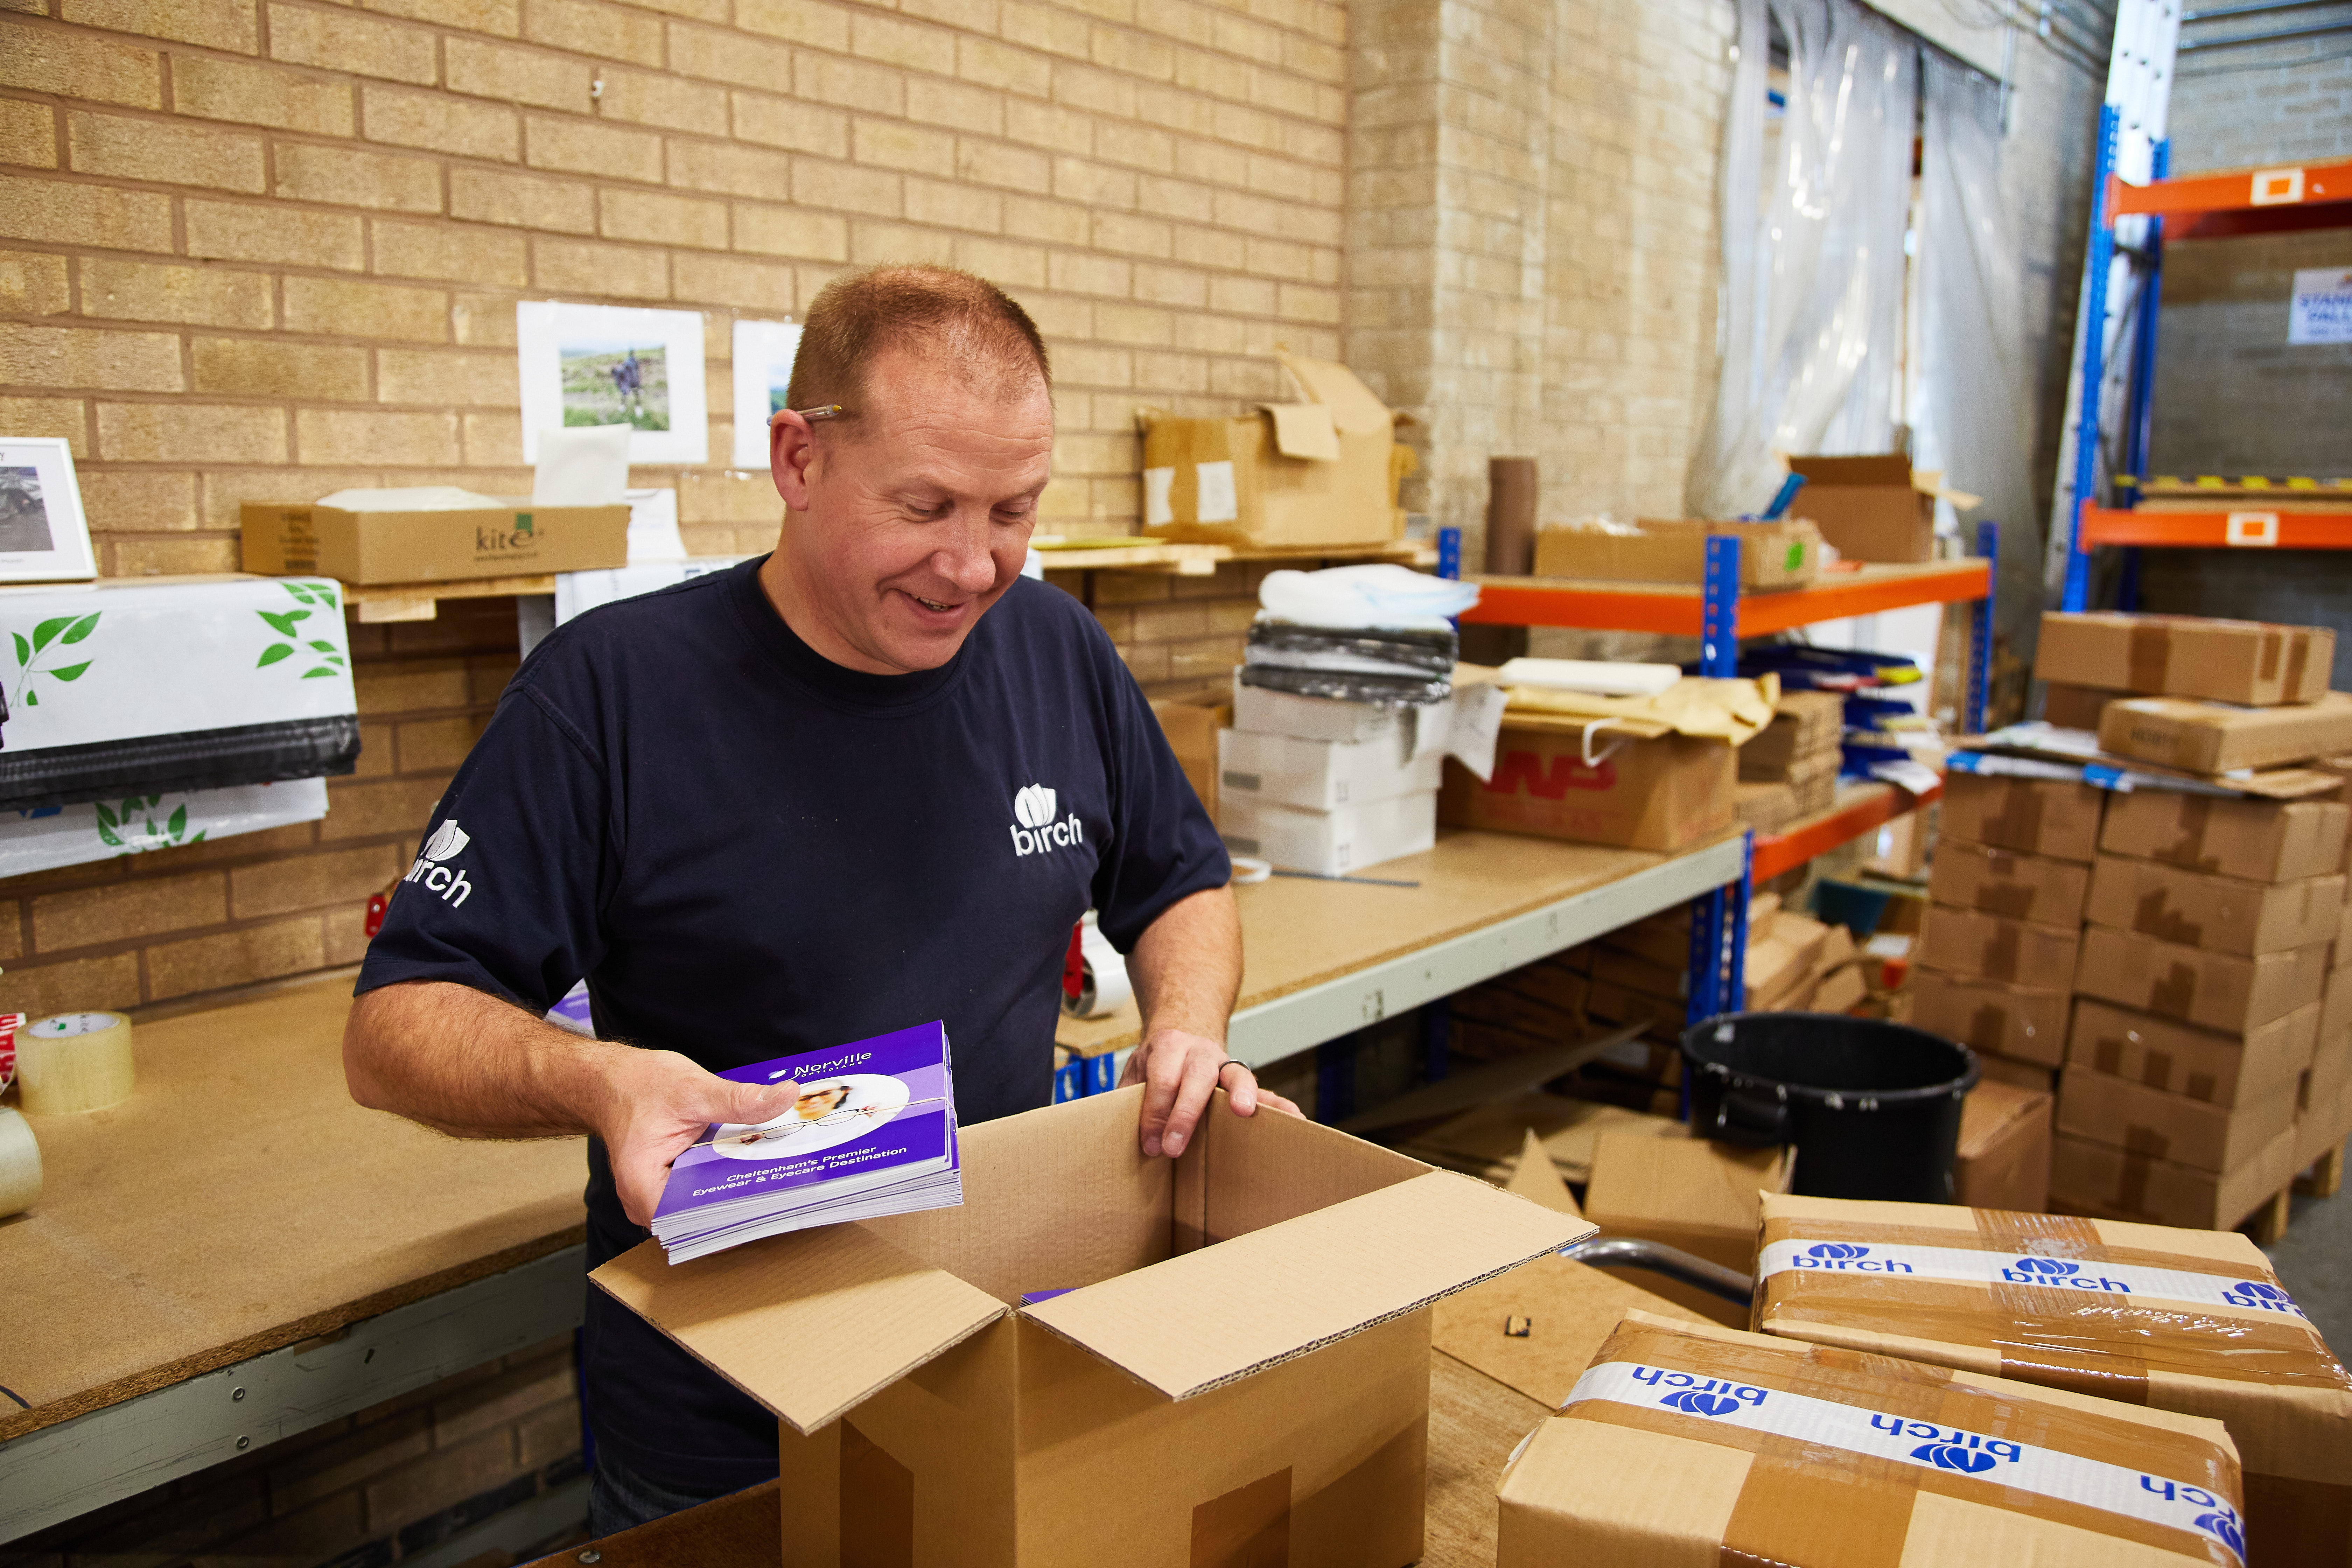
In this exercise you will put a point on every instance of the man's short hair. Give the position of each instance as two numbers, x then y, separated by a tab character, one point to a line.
940	311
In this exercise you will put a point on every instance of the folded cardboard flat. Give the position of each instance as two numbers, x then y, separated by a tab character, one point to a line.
1568	1310
2003	1160
1688	1193
2003	882
1328	843
2213	990
2033	816
1805	725
1243	1351
2025	1023
2254	663
1323	470
1674	550
524	540
2211	738
2254	840
1686	1446
1993	947
1875	508
1191	728
2239	1352
1323	775
1763	807
1662	793
2217	912
2166	1126
2163	1053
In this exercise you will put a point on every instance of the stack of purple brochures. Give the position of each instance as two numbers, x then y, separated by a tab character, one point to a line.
873	1134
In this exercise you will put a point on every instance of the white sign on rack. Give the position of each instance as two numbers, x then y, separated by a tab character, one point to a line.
2320	310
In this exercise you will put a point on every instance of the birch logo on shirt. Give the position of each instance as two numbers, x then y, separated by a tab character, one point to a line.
449	841
1038	833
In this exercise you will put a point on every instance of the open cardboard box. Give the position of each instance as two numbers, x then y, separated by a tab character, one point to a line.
1238	1371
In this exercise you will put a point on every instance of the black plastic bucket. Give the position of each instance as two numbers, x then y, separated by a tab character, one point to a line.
1872	1108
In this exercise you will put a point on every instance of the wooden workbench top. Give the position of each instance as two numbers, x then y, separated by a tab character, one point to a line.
1298	931
239	1201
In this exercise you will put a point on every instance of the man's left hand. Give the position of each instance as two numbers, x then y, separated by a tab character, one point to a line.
1177	1071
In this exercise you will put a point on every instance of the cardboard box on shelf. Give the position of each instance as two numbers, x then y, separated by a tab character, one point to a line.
2054	817
1323	470
1674	550
1873	508
1328	843
1294	1403
2165	1126
2003	1160
1191	728
2164	1053
1614	966
2211	738
2253	663
1664	794
1323	775
1993	947
1764	807
1509	1009
1814	784
2076	707
2294	1432
2003	882
365	547
2031	1076
1838	1477
1805	724
2027	1023
2217	912
2218	991
2253	840
1266	712
2088	1177
1698	1196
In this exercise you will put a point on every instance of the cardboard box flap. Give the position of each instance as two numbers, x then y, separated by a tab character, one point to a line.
808	1324
1213	1317
1355	409
1882	468
1304	430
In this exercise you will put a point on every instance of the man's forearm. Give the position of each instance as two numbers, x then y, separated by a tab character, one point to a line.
474	1066
1187	965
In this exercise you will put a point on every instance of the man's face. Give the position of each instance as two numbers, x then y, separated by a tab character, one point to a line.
911	520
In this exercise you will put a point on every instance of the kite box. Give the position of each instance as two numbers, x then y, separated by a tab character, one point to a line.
432	546
1236	1368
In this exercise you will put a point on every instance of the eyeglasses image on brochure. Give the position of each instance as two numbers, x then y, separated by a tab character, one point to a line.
834	1111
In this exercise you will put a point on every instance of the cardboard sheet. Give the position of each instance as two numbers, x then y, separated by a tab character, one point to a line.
1571	1308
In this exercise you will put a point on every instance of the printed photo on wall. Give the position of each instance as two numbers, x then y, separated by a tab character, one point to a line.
44	537
607	364
764	369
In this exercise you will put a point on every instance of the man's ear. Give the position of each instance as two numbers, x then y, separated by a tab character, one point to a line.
792	458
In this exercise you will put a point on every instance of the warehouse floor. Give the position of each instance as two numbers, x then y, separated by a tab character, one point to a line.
2314	1260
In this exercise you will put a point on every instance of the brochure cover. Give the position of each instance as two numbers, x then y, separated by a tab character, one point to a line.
872	1132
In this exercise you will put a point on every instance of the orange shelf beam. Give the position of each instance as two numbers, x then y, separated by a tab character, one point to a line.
2236	190
1866	810
2251	527
1678	609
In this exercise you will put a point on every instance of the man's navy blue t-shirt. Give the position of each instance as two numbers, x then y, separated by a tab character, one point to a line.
749	851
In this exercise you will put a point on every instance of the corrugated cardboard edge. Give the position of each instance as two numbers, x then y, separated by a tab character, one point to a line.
1066	1317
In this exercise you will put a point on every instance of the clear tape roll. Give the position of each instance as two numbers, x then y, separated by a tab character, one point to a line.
75	1061
20	1164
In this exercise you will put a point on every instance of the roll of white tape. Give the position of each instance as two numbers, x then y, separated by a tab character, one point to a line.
1249	869
20	1164
75	1061
1105	987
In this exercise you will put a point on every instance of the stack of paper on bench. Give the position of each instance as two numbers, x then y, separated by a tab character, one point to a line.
873	1134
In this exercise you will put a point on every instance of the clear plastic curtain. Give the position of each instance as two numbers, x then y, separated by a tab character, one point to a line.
1973	398
1813	255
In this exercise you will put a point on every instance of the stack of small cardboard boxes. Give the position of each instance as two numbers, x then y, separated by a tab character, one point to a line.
1317	784
1791	770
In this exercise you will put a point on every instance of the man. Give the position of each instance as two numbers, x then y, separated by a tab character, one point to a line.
772	810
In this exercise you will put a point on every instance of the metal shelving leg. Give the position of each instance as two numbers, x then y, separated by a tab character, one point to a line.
1449	552
2139	415
1979	695
1335	1080
1719	619
1436	1026
2077	595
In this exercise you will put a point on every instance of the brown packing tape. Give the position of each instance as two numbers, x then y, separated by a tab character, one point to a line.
2154	916
2001	953
2176	993
2299	660
1815	1504
2140	1139
1988	1025
2272	647
2189	850
2018	823
2151	641
2108	1371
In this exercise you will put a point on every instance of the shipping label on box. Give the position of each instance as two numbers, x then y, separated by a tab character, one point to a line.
2217	912
2216	990
2211	738
2056	818
375	547
1991	947
2163	1053
2254	840
2003	882
1664	794
2253	663
2029	1296
2026	1024
1684	1446
2003	1160
2165	1126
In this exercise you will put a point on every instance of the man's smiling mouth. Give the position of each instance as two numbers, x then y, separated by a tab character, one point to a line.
930	604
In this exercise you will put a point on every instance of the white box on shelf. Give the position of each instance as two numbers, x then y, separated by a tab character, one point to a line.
1269	712
1323	775
1329	843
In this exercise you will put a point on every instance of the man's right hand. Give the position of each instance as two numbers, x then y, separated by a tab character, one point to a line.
657	1103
